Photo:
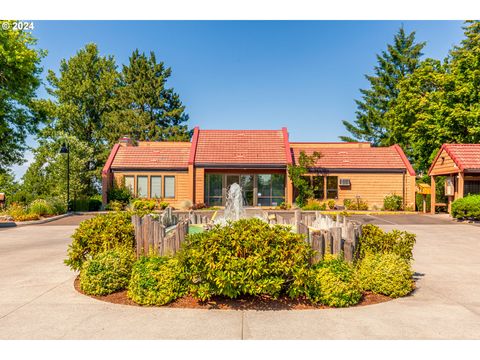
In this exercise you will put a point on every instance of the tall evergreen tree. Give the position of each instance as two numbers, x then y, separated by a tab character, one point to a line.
19	79
400	60
440	102
146	109
83	96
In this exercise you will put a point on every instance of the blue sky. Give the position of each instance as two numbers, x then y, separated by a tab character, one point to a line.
303	75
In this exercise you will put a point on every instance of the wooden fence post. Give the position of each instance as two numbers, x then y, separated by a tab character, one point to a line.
318	244
337	240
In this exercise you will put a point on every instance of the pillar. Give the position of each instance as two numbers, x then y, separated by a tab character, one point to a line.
432	195
461	184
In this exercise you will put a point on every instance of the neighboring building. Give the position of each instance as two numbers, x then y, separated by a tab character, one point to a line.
460	163
202	170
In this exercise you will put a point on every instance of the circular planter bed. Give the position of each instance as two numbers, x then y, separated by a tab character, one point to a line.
241	303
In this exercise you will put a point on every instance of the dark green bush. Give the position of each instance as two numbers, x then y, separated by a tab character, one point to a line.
107	272
386	274
144	204
156	281
392	202
374	240
467	207
119	193
98	234
58	205
333	283
245	257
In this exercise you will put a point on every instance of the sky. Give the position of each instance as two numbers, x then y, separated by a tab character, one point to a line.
304	75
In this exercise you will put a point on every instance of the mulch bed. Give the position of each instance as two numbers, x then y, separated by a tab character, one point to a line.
241	303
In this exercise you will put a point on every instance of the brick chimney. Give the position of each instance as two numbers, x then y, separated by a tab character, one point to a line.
125	141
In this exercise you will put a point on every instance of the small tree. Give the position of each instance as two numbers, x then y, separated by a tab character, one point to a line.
296	173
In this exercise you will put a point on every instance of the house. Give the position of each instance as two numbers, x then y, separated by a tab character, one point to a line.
460	164
202	170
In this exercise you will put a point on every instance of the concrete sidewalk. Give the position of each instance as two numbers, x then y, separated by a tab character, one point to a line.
38	301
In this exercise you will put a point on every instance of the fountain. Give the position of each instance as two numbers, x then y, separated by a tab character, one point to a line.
234	209
323	222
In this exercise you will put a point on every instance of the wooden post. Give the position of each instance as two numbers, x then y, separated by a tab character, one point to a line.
337	240
348	251
461	184
161	241
424	202
432	194
318	244
328	241
297	217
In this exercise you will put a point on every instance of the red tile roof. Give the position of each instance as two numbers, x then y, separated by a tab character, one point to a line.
161	155
466	156
241	147
372	158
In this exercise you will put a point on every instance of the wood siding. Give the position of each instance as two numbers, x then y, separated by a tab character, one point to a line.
182	188
199	185
444	165
375	186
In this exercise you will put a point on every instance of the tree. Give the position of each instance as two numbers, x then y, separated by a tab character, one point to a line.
297	172
145	108
440	102
400	60
8	184
19	80
83	96
47	175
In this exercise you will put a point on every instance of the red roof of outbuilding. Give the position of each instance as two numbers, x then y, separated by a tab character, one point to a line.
241	147
466	156
371	158
160	155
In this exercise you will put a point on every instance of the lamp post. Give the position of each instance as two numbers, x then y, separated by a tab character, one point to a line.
65	150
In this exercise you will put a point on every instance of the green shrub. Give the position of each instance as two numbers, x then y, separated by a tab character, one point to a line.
119	193
162	205
244	257
107	272
313	204
331	204
144	204
374	240
58	205
26	217
355	204
98	234
467	207
419	202
115	205
333	283
18	213
156	281
40	207
386	274
392	202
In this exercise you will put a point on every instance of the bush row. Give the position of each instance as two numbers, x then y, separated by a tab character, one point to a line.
36	209
247	257
467	207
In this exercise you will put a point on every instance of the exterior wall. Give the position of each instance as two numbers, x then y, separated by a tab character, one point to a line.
444	165
182	182
199	185
373	187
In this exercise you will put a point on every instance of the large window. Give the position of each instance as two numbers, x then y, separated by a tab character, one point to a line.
169	186
246	182
317	185
142	186
130	183
213	189
271	189
156	187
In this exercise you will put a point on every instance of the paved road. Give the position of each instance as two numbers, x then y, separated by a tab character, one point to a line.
38	301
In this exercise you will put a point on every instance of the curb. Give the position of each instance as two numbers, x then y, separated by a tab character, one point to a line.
34	222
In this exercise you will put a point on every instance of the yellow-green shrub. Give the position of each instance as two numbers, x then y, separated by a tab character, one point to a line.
98	234
41	207
156	280
333	283
107	272
245	257
374	240
386	274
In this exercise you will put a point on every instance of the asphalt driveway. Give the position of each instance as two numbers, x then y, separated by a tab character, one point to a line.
38	301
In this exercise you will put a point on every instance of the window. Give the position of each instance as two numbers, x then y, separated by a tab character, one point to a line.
246	182
213	189
332	187
155	187
142	186
317	185
130	183
169	186
271	189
